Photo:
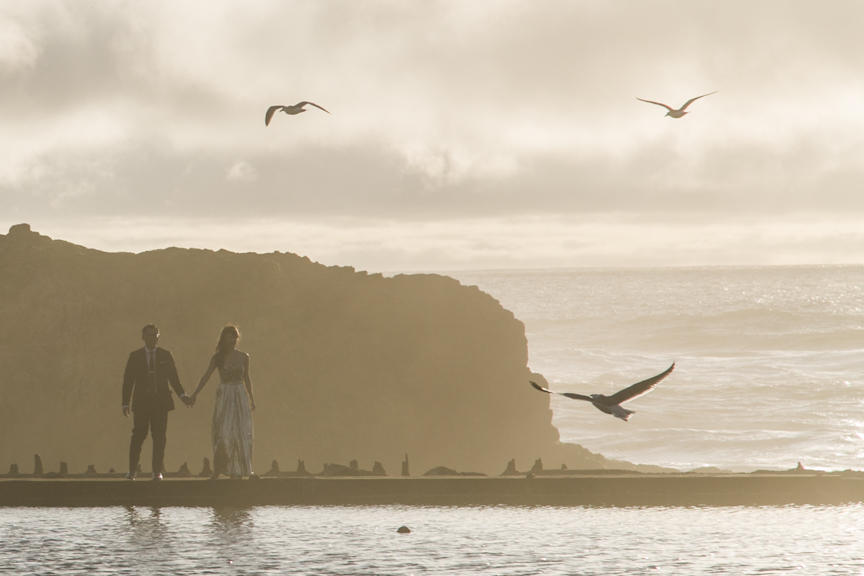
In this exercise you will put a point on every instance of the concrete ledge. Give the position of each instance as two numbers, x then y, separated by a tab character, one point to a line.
621	491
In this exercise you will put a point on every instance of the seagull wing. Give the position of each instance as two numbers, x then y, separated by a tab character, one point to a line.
637	389
658	103
570	395
684	107
540	388
269	116
301	104
573	396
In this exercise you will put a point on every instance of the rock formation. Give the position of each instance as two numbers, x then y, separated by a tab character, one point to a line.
441	471
445	471
345	364
511	469
341	470
275	471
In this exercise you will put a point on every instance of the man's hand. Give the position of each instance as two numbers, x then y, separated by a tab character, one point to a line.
189	402
126	411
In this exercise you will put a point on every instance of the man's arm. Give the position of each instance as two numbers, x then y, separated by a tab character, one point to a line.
128	384
174	379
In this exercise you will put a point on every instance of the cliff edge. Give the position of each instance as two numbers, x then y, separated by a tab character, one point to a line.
346	365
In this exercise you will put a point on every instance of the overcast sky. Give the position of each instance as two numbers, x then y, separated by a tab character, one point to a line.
463	134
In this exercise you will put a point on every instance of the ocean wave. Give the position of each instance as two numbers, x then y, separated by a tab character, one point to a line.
769	359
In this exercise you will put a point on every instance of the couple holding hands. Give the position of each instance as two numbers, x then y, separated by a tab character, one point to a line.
146	395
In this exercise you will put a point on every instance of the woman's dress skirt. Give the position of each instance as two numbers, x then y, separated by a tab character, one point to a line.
232	431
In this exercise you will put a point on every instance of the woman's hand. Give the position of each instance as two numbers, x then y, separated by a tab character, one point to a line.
252	404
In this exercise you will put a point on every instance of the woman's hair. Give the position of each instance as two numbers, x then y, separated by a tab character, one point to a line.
222	347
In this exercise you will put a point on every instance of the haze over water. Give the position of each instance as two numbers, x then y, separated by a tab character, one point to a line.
769	360
456	141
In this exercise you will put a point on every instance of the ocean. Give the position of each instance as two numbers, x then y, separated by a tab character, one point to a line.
443	540
769	360
769	364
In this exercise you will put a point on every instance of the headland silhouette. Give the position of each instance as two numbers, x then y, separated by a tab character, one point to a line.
349	365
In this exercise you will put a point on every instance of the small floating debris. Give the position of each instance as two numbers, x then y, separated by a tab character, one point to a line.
403	530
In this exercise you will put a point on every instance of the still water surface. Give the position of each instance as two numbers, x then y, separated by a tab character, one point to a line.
454	540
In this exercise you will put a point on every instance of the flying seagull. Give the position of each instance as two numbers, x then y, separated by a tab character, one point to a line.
612	404
291	110
681	111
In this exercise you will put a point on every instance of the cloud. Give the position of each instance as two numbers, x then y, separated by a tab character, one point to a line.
442	111
596	240
375	182
18	50
243	171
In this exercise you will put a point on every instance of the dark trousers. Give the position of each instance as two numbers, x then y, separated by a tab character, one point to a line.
156	421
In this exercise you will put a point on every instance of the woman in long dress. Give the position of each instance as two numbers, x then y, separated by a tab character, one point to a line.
232	416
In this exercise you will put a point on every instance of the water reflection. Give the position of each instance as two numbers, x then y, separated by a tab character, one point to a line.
477	540
146	523
232	535
231	522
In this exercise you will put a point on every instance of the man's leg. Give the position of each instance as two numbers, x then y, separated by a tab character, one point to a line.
159	428
141	422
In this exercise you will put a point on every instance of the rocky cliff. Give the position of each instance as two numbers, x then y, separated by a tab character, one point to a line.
346	365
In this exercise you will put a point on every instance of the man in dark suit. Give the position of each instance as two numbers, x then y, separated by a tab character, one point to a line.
145	382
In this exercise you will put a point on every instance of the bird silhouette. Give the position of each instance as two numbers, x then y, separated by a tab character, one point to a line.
290	110
680	112
612	404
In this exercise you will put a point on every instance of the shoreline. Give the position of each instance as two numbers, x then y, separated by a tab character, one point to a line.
621	490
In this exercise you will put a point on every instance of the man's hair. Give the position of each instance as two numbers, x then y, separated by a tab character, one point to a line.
148	327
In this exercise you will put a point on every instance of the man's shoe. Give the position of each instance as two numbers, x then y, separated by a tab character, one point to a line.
157	476
131	475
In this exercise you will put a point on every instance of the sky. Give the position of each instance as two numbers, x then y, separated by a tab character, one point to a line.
462	135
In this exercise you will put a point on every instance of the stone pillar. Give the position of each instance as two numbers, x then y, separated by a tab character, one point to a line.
511	469
206	471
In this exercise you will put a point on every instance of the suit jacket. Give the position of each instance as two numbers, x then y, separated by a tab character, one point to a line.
138	387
